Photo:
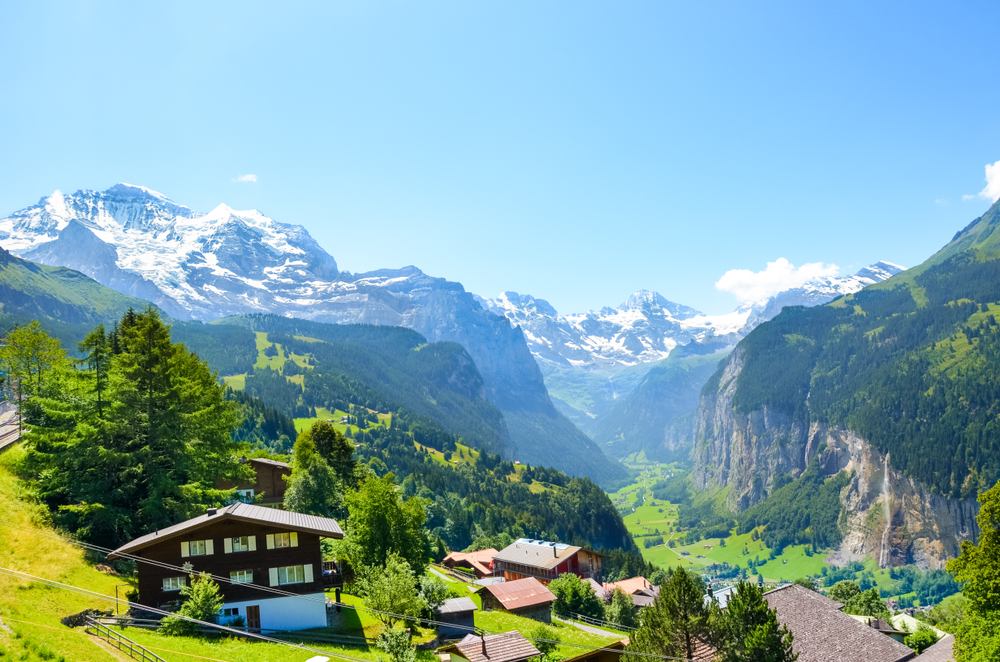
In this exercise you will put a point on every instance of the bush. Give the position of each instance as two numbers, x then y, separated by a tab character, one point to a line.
575	596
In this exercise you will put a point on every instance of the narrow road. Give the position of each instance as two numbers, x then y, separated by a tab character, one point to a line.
588	628
442	575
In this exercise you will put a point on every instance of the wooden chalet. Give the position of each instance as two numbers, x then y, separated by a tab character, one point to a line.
269	481
257	548
526	597
545	561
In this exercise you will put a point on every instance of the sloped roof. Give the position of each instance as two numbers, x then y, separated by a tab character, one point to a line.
479	560
599	590
536	553
823	633
520	593
628	586
617	645
457	605
274	463
240	512
506	647
941	651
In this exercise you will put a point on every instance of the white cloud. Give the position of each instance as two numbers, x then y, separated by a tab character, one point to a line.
779	276
246	178
992	190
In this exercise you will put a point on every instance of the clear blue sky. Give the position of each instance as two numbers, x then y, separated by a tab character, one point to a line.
575	151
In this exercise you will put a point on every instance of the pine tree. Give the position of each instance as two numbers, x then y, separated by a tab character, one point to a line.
749	630
676	621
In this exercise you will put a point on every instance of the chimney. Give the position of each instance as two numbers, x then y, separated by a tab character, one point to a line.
211	511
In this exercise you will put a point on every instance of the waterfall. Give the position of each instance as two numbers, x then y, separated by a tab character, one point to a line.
884	556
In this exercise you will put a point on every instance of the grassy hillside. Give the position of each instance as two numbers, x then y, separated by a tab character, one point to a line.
302	368
910	364
58	294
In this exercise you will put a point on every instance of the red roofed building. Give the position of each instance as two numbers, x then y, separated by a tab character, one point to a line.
480	562
524	597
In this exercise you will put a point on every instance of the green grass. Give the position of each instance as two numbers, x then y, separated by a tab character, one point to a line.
31	609
236	382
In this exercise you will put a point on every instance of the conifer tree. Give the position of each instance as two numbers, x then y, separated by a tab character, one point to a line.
313	487
749	630
676	621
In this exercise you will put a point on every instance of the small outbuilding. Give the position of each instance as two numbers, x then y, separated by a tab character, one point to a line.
457	617
525	597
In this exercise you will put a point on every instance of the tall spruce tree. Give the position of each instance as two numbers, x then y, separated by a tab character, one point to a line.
676	621
152	457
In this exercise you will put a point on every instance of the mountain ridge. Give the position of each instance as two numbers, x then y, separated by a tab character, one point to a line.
207	266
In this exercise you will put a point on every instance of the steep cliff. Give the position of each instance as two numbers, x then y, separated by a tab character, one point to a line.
746	450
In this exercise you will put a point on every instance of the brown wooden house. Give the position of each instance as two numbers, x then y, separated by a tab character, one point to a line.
257	548
269	481
478	562
545	561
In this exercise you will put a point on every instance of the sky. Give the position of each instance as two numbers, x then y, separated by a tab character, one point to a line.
575	151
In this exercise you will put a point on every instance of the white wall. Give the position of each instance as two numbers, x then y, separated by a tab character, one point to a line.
286	612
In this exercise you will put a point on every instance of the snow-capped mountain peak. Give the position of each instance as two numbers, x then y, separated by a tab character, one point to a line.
647	326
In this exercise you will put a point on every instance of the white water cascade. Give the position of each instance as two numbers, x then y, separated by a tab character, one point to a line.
883	558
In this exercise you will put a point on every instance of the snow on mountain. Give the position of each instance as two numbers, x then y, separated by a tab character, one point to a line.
647	326
202	265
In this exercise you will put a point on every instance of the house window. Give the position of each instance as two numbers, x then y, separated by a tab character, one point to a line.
241	544
173	583
275	540
197	548
230	611
292	574
241	577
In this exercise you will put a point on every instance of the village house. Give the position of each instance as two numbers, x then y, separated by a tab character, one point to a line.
526	597
506	647
545	561
480	563
269	481
257	548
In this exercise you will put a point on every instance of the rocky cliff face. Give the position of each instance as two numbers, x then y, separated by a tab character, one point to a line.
745	451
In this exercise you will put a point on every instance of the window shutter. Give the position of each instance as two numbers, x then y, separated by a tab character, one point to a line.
273	574
228	544
209	547
253	543
295	539
270	541
185	549
308	570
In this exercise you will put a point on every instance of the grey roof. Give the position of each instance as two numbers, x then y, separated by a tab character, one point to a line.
941	651
456	605
240	512
823	633
536	553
